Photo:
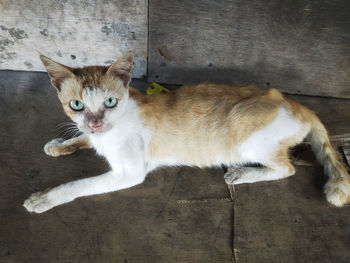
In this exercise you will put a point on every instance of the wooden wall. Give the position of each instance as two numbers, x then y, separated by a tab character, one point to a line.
76	33
298	46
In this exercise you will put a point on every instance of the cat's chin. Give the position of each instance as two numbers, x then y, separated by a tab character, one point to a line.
88	131
97	132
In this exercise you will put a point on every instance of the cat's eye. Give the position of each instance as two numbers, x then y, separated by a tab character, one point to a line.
76	105
110	102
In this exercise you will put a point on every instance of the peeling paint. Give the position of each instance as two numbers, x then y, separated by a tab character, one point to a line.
4	43
17	33
106	30
44	32
8	55
28	64
109	61
59	54
120	29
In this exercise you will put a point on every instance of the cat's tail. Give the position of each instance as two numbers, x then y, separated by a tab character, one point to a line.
337	189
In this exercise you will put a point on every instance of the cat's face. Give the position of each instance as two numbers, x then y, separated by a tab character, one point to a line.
93	97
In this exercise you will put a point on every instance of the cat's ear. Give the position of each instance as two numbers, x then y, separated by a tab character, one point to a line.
122	68
57	72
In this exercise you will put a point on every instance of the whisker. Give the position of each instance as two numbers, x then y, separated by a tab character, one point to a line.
63	131
67	132
71	130
66	128
77	133
66	123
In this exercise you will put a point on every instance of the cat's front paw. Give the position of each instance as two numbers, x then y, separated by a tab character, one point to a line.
39	202
53	147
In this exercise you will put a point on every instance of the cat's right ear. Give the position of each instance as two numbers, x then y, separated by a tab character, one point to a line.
57	72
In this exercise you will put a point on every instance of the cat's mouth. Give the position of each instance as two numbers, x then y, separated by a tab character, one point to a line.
96	128
96	131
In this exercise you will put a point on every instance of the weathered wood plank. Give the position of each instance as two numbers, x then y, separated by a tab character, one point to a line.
290	221
299	46
75	33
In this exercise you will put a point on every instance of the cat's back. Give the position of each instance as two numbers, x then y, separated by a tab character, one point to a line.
202	99
193	119
204	92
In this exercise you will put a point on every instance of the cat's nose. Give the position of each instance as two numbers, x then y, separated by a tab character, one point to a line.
95	125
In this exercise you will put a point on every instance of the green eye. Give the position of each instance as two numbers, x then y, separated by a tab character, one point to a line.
76	105
110	102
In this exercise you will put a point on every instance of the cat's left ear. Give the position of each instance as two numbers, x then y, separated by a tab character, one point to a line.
121	69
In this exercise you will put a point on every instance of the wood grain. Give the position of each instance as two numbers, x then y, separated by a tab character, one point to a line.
300	47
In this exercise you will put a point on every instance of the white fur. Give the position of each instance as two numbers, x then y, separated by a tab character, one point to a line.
125	145
260	146
125	148
94	98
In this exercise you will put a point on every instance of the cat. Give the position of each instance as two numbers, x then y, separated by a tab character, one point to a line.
197	125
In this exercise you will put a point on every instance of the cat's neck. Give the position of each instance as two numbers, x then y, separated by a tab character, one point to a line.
137	96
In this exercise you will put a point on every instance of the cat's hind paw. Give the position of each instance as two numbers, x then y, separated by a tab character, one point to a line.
232	175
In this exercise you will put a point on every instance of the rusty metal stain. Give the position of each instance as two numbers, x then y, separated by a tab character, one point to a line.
164	52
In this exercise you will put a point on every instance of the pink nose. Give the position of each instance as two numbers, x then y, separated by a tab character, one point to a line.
95	125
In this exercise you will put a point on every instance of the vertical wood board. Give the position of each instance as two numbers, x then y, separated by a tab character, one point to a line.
300	47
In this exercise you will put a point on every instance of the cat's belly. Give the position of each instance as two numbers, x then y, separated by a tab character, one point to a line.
200	157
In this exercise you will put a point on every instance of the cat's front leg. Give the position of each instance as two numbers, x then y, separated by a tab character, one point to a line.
112	181
60	146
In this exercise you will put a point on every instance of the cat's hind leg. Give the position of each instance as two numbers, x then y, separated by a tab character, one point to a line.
60	146
271	172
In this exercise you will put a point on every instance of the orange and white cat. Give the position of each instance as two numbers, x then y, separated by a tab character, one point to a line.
200	125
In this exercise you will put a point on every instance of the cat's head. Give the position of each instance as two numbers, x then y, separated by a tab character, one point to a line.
93	97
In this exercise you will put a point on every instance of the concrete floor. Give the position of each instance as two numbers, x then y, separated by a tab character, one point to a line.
177	215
